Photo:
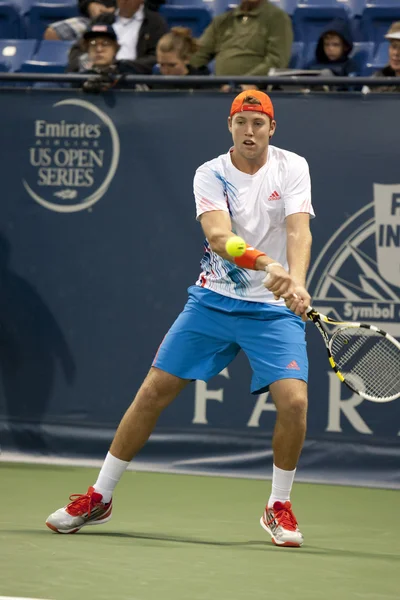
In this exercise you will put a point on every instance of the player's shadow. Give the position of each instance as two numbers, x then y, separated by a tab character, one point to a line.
263	545
251	544
31	343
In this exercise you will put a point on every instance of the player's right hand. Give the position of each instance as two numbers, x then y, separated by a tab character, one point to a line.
279	282
299	302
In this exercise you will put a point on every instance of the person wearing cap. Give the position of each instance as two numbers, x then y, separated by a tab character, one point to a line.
249	40
137	27
255	302
392	69
100	44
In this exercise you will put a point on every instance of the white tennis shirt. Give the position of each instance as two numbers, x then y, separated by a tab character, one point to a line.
127	31
258	205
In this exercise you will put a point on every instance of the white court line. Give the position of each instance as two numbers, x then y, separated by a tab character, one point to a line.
148	467
18	598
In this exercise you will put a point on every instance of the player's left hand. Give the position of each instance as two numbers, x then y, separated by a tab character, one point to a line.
299	302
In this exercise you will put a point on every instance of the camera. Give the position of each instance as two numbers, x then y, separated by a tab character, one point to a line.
99	81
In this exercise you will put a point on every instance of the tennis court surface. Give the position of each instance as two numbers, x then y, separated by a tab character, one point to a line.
178	537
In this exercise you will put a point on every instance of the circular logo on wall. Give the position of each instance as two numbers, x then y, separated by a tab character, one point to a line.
73	157
356	276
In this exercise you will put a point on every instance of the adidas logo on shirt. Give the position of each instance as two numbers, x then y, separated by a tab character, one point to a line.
274	196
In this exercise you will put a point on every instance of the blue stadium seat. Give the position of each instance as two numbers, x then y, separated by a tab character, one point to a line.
43	13
356	6
381	56
219	6
23	6
11	22
380	59
286	5
187	16
52	57
297	56
14	52
362	54
377	17
312	16
309	54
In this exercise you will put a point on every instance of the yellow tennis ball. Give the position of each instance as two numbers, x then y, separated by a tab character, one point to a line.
235	246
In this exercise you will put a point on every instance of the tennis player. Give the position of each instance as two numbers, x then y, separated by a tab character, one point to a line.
255	303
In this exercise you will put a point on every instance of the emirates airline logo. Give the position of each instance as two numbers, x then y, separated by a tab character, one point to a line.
73	156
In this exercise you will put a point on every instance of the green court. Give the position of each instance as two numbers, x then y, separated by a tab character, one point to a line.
176	537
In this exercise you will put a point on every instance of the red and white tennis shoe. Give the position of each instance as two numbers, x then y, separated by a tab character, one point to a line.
84	509
281	525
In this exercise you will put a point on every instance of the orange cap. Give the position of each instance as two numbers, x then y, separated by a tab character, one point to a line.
264	107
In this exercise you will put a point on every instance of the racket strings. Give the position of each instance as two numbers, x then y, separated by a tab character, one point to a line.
368	361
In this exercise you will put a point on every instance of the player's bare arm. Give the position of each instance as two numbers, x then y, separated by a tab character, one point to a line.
298	255
217	228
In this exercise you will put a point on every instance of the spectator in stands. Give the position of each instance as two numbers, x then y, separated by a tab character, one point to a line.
174	51
100	43
247	40
72	29
392	69
138	30
333	49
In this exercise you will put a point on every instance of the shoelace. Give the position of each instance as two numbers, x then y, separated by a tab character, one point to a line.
285	518
80	503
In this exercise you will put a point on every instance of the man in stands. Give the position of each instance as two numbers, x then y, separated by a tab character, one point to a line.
72	29
138	30
247	40
392	69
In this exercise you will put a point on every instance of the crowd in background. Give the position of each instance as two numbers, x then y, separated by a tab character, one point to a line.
120	37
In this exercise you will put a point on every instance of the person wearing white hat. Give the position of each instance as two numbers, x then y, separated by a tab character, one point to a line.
392	69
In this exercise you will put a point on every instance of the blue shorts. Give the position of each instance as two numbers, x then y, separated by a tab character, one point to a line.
212	328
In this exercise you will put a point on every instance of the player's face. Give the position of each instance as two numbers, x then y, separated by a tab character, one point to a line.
394	55
251	132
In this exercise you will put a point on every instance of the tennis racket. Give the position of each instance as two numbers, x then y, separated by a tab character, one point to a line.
364	357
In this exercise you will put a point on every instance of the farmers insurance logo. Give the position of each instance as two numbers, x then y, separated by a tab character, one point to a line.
357	274
73	158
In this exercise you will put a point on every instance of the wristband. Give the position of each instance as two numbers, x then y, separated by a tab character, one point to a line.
271	265
248	259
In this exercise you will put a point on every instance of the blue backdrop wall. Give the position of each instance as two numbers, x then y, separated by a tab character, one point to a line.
98	244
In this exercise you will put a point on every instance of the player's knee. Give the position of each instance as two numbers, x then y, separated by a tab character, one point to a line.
295	407
150	394
158	390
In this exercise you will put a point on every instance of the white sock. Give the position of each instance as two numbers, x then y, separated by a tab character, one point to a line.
111	472
282	482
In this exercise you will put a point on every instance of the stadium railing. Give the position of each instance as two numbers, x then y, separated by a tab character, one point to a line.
191	81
